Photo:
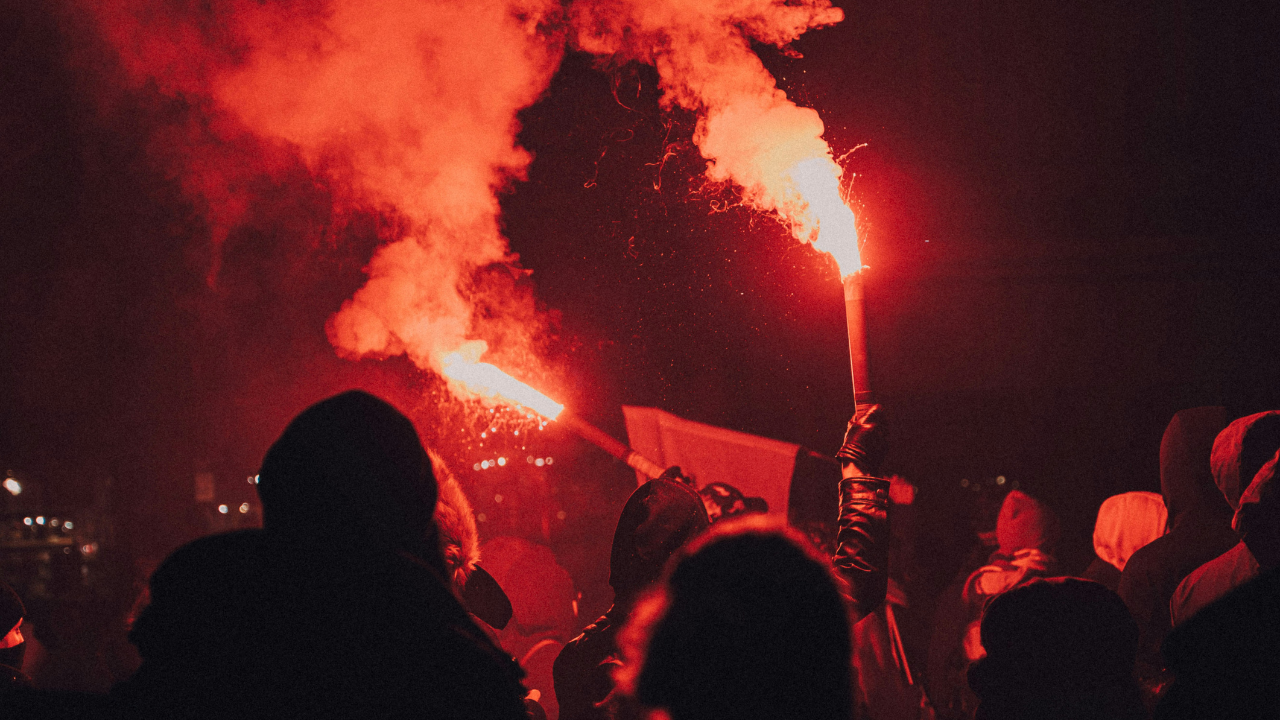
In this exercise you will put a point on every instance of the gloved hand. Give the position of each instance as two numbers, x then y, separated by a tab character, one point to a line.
865	441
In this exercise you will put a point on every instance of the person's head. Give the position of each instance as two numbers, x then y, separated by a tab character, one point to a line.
749	624
1025	523
1127	522
12	643
724	501
1186	482
1059	648
658	519
351	472
1240	451
1258	518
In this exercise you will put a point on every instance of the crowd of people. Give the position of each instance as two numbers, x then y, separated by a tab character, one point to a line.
362	596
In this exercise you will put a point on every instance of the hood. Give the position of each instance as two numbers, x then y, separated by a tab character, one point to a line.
1186	481
1241	450
350	472
1258	519
1025	523
456	522
658	519
1127	522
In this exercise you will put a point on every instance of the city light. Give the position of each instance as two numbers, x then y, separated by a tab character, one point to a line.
222	509
13	486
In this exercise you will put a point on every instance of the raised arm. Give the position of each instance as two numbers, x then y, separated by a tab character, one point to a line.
862	537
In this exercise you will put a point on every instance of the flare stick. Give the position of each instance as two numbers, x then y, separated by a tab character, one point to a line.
606	442
855	320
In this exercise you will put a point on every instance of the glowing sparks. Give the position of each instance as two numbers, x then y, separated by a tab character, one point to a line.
488	381
818	182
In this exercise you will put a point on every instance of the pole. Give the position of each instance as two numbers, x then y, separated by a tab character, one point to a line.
604	441
855	317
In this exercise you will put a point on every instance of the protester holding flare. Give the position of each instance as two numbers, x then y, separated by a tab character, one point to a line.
750	622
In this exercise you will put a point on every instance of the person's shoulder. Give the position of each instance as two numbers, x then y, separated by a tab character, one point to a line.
1212	581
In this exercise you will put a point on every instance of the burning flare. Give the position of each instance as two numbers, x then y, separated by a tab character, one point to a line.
488	381
818	182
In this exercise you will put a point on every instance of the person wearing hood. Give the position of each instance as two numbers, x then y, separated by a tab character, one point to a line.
1199	531
338	607
1239	454
1126	522
657	520
1026	532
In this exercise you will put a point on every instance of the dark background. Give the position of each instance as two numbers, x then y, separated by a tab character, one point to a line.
1069	209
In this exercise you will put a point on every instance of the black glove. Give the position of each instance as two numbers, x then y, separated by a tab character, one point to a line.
865	441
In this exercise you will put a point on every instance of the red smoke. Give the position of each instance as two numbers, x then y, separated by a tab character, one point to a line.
410	105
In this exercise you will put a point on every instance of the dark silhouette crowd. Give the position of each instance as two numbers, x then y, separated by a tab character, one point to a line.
364	595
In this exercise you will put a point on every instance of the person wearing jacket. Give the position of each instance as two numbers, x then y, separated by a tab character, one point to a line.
1199	530
659	518
338	608
1238	456
1026	532
1126	522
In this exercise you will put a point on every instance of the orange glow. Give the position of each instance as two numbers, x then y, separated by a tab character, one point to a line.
818	182
488	381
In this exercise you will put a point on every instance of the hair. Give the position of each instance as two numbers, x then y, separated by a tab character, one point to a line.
459	537
750	623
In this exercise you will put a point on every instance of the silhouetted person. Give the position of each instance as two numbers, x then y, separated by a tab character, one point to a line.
658	519
1199	531
1057	649
1026	532
753	626
337	608
1239	453
12	644
1225	660
1126	522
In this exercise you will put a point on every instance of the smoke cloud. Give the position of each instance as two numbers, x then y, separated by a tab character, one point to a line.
748	130
410	106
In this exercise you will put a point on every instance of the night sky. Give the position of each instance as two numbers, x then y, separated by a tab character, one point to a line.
1069	210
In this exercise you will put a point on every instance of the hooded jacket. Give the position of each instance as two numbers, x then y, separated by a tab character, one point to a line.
1199	530
658	519
336	609
1256	521
1026	531
1126	522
